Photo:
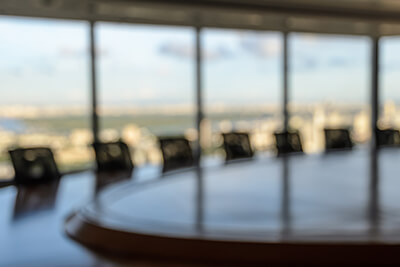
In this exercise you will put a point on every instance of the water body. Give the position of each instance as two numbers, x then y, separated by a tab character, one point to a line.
12	125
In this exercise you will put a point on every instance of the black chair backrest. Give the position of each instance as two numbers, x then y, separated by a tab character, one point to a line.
34	165
237	146
336	139
288	142
176	152
113	156
388	137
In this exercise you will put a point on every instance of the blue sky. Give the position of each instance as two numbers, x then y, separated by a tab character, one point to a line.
45	62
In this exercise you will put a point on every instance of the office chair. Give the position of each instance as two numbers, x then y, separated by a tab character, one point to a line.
176	152
288	142
112	156
337	139
237	146
388	138
34	165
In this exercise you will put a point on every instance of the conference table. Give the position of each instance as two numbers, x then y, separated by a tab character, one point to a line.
340	207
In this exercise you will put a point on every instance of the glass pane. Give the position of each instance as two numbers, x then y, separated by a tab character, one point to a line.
43	74
389	83
146	86
329	87
242	84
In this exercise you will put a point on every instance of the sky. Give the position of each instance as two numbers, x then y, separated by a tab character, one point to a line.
46	62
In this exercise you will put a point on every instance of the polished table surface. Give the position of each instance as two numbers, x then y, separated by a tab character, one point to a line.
347	197
343	199
32	222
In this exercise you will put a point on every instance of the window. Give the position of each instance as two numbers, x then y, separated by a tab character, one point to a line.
329	87
389	85
242	86
146	86
43	74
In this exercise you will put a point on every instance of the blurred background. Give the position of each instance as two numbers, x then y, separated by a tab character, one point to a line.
146	87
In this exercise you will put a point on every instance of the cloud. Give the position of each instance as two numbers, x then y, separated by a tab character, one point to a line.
305	63
391	65
71	52
310	63
80	52
186	51
175	49
309	39
340	62
263	46
15	71
219	52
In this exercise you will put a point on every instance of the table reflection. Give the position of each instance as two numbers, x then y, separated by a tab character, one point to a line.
34	199
199	199
285	198
374	204
104	179
288	216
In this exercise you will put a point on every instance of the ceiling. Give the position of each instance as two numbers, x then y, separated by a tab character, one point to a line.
360	17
